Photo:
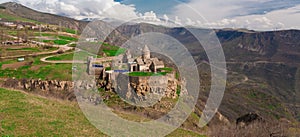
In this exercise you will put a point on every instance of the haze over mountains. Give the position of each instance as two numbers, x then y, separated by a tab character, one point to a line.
267	61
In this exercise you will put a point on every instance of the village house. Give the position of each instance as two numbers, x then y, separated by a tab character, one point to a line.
91	39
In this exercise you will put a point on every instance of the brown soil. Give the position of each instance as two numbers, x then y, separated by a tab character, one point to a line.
15	47
36	67
14	65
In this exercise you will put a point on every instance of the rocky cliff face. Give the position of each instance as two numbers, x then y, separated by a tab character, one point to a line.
161	85
48	88
138	88
52	88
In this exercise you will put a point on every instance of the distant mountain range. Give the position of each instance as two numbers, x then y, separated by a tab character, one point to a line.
270	61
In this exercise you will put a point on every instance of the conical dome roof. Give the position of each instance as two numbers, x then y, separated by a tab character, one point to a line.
146	49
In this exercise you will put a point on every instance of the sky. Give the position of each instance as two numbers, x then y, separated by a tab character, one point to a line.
250	14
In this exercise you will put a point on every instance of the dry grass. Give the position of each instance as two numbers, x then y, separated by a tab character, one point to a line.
256	129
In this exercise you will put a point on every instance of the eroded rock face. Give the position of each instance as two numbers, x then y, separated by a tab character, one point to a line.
43	85
54	88
159	85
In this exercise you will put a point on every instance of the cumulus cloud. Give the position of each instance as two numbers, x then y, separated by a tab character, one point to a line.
166	18
258	23
250	14
220	9
83	8
279	19
150	16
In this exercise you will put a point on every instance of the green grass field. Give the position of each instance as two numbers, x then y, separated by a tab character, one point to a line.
29	115
145	74
9	17
43	34
26	49
69	56
67	38
62	40
111	53
167	70
71	31
42	70
111	50
51	71
57	42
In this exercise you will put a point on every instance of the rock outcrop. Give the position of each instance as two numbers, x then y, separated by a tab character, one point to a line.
48	88
248	119
139	87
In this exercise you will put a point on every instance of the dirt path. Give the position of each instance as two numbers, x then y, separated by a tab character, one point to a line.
63	48
44	59
73	61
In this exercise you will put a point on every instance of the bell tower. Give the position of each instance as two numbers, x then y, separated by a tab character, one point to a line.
146	53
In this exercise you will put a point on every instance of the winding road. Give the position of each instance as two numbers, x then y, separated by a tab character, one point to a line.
62	48
44	59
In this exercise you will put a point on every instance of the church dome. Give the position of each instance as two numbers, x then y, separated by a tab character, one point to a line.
146	49
146	52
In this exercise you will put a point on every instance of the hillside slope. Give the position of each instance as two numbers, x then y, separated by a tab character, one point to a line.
267	60
23	114
25	12
263	66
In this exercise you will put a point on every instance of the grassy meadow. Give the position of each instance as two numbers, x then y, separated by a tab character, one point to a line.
36	69
23	114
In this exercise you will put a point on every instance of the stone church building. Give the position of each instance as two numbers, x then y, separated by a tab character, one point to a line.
144	63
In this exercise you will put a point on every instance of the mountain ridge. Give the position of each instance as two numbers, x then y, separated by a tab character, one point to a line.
25	12
269	59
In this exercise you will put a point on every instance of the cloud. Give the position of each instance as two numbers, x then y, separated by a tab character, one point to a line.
266	6
150	16
158	6
257	23
83	8
220	9
251	14
166	18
